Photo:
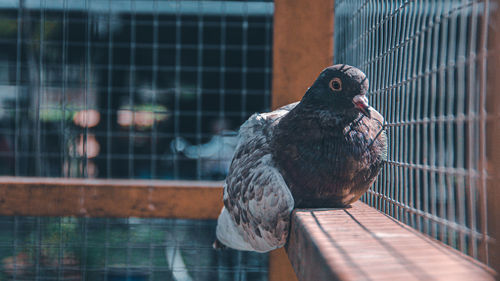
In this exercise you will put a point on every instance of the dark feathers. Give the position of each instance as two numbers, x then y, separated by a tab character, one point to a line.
325	151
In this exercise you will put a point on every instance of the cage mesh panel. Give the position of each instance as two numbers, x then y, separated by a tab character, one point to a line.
129	88
426	64
63	248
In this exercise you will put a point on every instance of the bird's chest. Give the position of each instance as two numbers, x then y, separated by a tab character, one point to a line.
328	165
331	156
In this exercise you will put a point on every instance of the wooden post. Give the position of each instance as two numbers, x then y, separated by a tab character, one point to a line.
493	132
302	47
280	268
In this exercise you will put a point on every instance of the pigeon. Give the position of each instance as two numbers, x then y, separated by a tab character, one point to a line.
324	151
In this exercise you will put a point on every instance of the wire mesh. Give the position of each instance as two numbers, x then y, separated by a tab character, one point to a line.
129	88
43	248
426	64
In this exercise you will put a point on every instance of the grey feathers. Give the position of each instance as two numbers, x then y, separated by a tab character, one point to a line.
325	151
257	202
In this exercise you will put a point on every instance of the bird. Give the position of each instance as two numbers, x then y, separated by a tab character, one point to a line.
324	151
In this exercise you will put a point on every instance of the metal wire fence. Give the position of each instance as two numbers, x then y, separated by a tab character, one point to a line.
43	248
129	88
426	64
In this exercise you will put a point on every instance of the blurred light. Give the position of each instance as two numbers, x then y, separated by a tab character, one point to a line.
87	118
54	114
142	117
88	148
91	169
125	118
18	265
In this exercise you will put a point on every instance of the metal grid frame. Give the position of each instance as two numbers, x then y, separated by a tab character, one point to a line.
65	248
65	57
200	67
426	63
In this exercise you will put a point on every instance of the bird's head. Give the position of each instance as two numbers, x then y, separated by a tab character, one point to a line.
340	88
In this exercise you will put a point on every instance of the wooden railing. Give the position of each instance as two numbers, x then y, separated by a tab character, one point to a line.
361	243
110	198
20	196
325	244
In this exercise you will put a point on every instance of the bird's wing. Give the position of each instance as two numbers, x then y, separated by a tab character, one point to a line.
377	137
377	134
257	201
288	107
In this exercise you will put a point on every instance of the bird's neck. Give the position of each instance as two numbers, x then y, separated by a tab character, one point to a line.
320	132
324	116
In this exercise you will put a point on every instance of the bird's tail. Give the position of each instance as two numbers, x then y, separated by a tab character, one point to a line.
228	234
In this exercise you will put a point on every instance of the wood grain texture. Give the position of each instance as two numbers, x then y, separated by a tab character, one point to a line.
110	198
302	46
360	243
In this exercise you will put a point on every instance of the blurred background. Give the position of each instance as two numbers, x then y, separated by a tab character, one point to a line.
129	88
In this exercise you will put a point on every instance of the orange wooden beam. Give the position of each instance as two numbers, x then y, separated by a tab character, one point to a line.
280	268
110	198
303	46
361	243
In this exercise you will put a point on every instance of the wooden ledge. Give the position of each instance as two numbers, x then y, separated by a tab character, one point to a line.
361	243
110	198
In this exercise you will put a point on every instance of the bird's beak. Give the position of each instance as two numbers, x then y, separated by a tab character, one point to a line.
361	103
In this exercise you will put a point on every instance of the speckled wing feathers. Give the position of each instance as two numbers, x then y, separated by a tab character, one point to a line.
257	201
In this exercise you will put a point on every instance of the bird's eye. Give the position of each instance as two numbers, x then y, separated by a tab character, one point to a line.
336	84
